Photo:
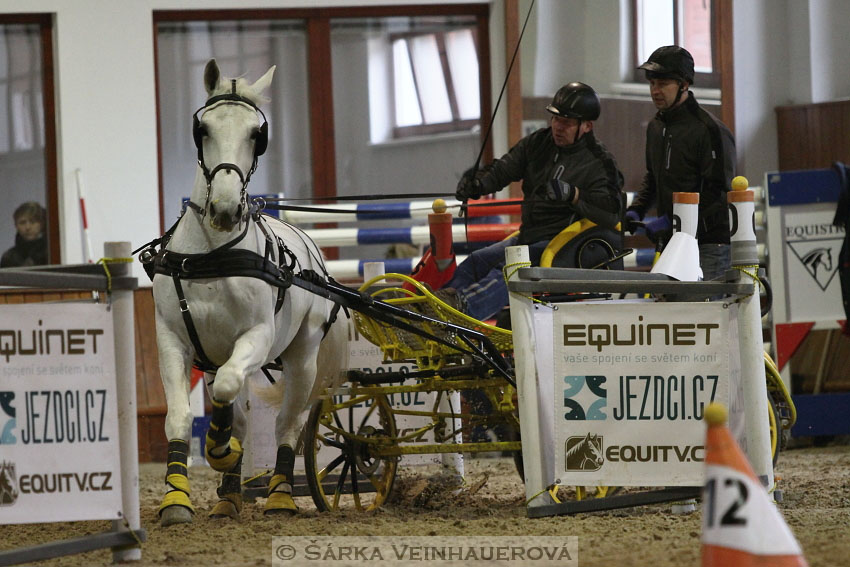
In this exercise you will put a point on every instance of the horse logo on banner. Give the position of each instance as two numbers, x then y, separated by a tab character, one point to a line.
818	260
8	484
584	453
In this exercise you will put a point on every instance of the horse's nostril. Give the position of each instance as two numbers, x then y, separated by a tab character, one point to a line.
212	209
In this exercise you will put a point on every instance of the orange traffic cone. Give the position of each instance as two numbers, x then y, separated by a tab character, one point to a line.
741	526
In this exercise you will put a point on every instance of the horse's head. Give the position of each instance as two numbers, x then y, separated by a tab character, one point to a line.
231	133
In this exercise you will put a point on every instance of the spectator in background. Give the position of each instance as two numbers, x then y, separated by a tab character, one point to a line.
30	247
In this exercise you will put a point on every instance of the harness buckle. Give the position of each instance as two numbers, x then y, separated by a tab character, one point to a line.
183	265
184	305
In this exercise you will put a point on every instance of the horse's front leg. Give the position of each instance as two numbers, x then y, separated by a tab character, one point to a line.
223	446
229	491
174	369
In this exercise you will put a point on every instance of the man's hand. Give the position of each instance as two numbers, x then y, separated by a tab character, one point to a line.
632	222
469	186
660	228
561	191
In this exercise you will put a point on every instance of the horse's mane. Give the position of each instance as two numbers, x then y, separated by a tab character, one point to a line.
243	88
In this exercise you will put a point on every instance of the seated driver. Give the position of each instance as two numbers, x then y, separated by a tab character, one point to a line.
567	175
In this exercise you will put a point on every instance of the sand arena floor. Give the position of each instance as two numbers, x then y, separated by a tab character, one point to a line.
815	484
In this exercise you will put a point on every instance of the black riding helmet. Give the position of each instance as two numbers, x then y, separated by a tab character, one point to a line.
575	100
670	62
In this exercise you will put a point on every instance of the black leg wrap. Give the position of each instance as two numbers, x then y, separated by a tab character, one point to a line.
231	481
285	463
221	423
178	456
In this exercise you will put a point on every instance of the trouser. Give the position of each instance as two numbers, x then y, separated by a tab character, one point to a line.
479	279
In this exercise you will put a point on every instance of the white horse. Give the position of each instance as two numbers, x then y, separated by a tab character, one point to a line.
222	303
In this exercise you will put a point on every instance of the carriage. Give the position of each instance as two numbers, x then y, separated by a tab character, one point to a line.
237	292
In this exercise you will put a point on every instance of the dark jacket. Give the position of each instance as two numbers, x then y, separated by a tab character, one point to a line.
25	253
536	160
689	150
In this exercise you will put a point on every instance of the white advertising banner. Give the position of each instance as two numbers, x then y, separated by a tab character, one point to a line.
366	357
59	454
631	383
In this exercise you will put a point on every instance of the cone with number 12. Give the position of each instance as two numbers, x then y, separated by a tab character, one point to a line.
741	526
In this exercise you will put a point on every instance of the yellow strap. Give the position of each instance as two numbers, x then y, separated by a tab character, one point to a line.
178	481
105	262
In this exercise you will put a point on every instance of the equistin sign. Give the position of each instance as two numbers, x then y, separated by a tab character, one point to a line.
59	455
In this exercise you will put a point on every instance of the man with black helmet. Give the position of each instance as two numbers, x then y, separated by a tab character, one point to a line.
687	150
566	175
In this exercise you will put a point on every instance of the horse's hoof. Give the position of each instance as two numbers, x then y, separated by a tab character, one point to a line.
280	503
228	507
174	515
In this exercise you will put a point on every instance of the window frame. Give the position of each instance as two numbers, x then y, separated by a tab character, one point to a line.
319	70
51	178
701	80
456	124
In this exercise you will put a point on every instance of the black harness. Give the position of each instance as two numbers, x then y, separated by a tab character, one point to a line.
275	266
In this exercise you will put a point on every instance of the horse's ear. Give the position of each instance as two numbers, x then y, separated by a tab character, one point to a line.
211	76
264	81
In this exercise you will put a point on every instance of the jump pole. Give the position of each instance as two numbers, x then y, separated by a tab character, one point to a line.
125	375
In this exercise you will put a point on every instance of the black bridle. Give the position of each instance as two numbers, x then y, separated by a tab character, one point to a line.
260	144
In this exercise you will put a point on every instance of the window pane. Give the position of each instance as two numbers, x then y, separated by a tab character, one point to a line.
22	161
430	82
655	26
244	48
696	28
406	101
463	63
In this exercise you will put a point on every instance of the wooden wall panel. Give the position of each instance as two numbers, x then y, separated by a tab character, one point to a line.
812	136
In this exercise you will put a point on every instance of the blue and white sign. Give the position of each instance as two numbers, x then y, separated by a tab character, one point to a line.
631	383
59	454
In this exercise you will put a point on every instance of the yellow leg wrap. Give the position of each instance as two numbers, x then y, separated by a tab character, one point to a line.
228	507
176	498
279	501
227	461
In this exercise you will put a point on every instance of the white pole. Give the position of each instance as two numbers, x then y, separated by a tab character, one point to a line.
78	174
452	462
125	373
537	472
745	258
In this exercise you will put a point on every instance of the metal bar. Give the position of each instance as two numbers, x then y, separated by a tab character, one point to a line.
65	277
615	502
69	546
692	289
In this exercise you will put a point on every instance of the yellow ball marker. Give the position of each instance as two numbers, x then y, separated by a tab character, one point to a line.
716	414
740	183
439	206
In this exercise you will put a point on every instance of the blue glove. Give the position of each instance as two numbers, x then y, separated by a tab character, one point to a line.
657	228
632	221
560	191
469	186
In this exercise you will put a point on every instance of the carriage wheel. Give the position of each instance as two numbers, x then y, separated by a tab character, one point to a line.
342	472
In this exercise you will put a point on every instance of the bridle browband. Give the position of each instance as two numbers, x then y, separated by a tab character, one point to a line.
260	144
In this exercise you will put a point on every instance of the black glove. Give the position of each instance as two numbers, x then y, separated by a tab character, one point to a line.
560	191
469	186
632	222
